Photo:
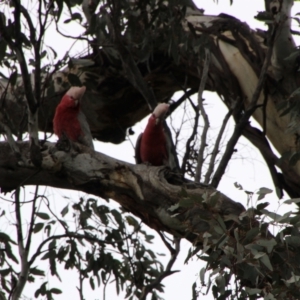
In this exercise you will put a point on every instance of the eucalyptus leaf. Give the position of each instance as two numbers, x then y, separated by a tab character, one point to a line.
262	192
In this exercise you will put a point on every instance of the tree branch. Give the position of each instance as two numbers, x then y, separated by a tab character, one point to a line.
105	177
200	159
27	17
10	138
188	210
167	272
31	224
190	139
167	244
215	151
259	140
23	275
81	279
238	131
17	48
19	222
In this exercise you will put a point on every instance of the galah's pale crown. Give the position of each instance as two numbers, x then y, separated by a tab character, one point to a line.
76	93
160	112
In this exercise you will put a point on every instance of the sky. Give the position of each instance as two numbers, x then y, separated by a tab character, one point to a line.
247	168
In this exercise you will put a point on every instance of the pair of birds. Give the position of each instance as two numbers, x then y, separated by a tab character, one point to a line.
154	146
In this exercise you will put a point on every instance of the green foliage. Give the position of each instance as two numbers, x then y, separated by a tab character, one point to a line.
255	257
43	291
162	30
107	245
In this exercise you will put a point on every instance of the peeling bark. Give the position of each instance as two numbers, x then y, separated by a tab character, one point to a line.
151	193
144	191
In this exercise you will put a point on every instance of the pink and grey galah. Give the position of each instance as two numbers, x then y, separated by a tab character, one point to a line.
154	145
69	120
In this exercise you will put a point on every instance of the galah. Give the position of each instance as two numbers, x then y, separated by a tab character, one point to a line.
69	120
154	145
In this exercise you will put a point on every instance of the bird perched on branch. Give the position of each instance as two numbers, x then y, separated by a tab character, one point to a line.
154	145
69	121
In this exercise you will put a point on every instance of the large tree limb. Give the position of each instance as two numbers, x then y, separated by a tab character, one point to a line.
192	211
142	190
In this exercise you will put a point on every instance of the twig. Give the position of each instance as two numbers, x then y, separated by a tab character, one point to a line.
7	129
23	275
167	272
37	52
167	244
30	231
105	285
17	48
176	132
259	140
130	259
265	111
76	38
186	95
243	122
190	139
200	159
32	29
4	93
63	224
215	151
81	278
19	222
12	143
129	66
32	104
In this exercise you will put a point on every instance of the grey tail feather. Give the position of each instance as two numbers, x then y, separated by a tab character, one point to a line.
87	138
173	162
137	149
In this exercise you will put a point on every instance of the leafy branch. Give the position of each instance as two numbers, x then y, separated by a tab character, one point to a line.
167	272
